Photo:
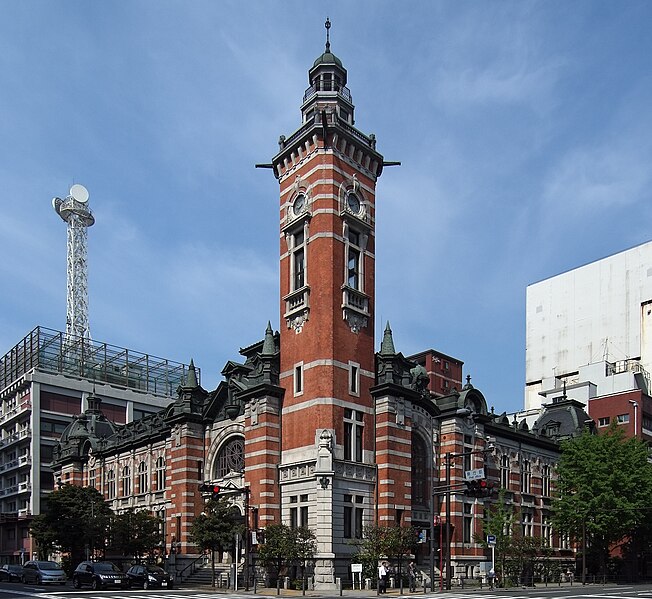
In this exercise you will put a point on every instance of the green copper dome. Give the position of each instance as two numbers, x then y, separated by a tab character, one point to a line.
327	58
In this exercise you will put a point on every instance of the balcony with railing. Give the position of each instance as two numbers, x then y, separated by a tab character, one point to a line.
15	411
329	87
57	353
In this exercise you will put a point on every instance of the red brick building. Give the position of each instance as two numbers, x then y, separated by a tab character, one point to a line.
314	427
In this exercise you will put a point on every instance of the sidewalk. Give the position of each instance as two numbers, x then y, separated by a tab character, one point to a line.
359	594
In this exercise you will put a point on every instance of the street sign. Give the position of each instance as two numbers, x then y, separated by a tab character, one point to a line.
491	539
476	474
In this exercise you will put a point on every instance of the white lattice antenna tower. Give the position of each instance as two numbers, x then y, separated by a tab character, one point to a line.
75	211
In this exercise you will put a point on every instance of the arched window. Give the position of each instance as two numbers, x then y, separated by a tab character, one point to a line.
143	487
110	484
420	471
231	457
160	474
126	481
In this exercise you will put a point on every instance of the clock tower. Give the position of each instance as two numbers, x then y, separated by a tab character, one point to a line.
327	170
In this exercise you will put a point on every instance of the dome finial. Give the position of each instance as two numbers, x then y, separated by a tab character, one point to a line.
327	24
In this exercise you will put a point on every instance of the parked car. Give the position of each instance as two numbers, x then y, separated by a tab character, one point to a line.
42	572
99	575
11	573
148	576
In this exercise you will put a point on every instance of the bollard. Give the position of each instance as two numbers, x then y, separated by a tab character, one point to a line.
338	582
255	584
278	586
303	586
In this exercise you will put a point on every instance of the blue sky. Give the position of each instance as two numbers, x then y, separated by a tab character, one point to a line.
523	128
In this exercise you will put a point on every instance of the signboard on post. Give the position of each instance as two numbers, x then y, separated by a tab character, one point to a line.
476	474
491	539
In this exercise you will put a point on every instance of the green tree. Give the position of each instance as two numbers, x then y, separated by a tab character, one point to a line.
303	547
216	527
604	486
378	542
135	533
499	522
277	549
75	521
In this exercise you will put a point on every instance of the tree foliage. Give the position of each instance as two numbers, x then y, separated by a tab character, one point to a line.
216	527
75	520
378	542
135	533
604	486
285	546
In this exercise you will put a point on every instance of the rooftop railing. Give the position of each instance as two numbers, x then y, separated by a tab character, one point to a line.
58	353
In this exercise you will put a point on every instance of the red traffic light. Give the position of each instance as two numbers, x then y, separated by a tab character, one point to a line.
215	489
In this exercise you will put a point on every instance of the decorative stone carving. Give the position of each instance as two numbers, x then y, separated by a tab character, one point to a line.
296	321
355	321
325	452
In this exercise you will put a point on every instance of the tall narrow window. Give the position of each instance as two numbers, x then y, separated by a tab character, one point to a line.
526	476
354	379
110	484
231	457
504	472
298	379
545	480
354	261
467	524
160	474
359	516
298	261
420	473
126	481
353	429
143	485
353	516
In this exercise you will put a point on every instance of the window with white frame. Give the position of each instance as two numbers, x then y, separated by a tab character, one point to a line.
230	458
298	511
604	421
298	260
623	418
298	378
353	516
354	262
504	471
92	478
528	524
526	476
160	473
353	429
126	481
143	481
546	530
110	484
467	523
545	480
354	379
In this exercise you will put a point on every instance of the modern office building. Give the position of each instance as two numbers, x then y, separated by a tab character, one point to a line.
45	380
589	336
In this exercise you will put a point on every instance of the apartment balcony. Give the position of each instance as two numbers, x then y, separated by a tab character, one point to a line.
25	406
23	460
24	487
12	438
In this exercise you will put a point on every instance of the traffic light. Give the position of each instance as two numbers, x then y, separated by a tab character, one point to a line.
479	488
214	490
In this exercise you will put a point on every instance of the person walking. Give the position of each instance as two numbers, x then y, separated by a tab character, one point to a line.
412	576
382	578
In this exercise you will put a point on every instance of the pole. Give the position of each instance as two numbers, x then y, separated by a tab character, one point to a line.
448	521
441	556
432	540
584	551
247	549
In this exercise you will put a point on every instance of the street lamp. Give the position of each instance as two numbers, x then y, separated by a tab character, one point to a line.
635	404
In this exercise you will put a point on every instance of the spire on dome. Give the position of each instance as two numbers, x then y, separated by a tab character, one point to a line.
387	346
327	24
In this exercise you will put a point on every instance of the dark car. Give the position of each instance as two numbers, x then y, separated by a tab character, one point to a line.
99	575
11	573
147	576
43	572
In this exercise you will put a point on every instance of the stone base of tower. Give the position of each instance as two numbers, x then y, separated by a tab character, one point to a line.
325	573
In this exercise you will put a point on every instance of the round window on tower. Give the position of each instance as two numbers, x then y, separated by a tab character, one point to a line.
299	204
353	202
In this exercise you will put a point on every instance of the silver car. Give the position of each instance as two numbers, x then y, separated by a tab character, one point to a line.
42	572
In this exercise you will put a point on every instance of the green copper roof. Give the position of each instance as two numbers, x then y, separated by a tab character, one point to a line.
387	346
328	58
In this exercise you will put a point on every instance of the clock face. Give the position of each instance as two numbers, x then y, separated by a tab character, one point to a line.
299	204
353	202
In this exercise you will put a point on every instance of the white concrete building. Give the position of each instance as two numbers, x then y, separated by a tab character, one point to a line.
588	326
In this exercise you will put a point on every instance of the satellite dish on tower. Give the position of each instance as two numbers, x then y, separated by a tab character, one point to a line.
79	192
